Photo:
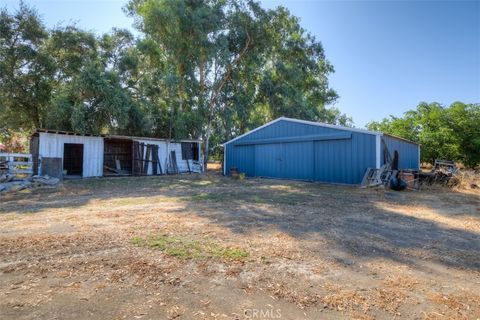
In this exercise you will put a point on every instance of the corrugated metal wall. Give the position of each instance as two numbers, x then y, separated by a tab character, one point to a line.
341	158
52	145
409	156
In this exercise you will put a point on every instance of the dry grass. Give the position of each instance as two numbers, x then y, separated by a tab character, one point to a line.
208	247
344	300
464	305
469	179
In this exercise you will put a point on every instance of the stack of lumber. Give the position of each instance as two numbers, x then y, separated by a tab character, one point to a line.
10	182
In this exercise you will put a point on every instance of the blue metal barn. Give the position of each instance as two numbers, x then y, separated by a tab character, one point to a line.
303	150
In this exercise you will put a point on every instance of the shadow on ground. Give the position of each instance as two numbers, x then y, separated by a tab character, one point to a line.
350	219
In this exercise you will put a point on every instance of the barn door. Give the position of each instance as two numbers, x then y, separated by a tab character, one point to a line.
298	161
269	160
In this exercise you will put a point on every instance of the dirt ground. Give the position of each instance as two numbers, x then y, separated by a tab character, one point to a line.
210	247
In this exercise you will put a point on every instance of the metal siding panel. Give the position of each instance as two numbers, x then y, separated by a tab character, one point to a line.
51	145
287	129
298	161
268	160
344	161
408	152
242	157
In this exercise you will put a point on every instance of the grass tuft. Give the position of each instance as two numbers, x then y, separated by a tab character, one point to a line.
184	248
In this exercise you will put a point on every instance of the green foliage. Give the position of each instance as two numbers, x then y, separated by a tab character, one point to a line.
210	69
26	69
228	66
444	132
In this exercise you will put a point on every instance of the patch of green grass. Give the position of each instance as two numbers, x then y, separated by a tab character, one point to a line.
214	197
184	248
137	241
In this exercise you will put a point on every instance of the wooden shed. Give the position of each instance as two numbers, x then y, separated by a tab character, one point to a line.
68	154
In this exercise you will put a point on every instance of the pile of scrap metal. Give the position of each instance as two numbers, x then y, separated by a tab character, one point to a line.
444	172
389	176
10	182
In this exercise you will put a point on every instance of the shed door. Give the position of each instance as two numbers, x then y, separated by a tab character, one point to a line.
285	160
298	160
73	159
269	160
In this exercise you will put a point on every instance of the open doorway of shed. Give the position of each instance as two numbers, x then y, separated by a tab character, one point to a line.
117	157
73	160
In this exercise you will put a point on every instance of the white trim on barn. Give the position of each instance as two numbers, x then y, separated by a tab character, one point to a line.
419	161
378	152
224	162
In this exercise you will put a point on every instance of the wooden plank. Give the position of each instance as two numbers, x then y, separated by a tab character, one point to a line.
136	158
154	159
19	155
142	161
20	163
21	171
147	159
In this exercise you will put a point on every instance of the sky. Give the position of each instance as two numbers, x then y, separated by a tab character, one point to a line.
388	55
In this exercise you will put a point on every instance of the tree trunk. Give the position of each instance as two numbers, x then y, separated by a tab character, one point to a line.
206	146
216	92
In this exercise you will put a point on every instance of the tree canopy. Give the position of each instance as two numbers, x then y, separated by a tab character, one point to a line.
208	69
451	132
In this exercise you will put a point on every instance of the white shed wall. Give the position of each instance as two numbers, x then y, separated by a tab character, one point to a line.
162	151
52	145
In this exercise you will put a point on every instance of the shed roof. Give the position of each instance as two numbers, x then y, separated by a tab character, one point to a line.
111	136
400	138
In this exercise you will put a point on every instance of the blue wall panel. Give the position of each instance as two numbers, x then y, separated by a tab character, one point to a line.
269	162
338	161
408	152
298	161
344	161
242	157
